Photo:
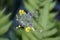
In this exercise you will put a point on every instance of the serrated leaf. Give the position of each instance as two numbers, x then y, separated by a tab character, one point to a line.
37	34
49	26
52	15
33	4
1	12
45	2
4	20
49	33
28	7
51	6
30	36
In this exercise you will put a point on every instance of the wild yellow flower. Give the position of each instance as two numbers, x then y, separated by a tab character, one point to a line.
27	29
21	12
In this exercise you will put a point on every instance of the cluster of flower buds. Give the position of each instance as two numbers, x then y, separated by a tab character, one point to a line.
24	20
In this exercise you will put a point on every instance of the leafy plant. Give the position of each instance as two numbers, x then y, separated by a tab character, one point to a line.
5	23
44	23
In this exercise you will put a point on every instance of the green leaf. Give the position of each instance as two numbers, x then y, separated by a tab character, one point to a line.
51	6
5	28
55	38
24	37
49	33
4	20
28	7
52	15
34	4
1	12
37	34
30	36
44	16
49	26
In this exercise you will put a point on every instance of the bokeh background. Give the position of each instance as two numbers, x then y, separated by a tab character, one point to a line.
11	7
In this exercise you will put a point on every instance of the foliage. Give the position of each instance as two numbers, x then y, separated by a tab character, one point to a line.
44	24
5	23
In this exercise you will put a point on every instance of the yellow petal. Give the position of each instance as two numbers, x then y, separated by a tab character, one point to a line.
27	29
21	12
